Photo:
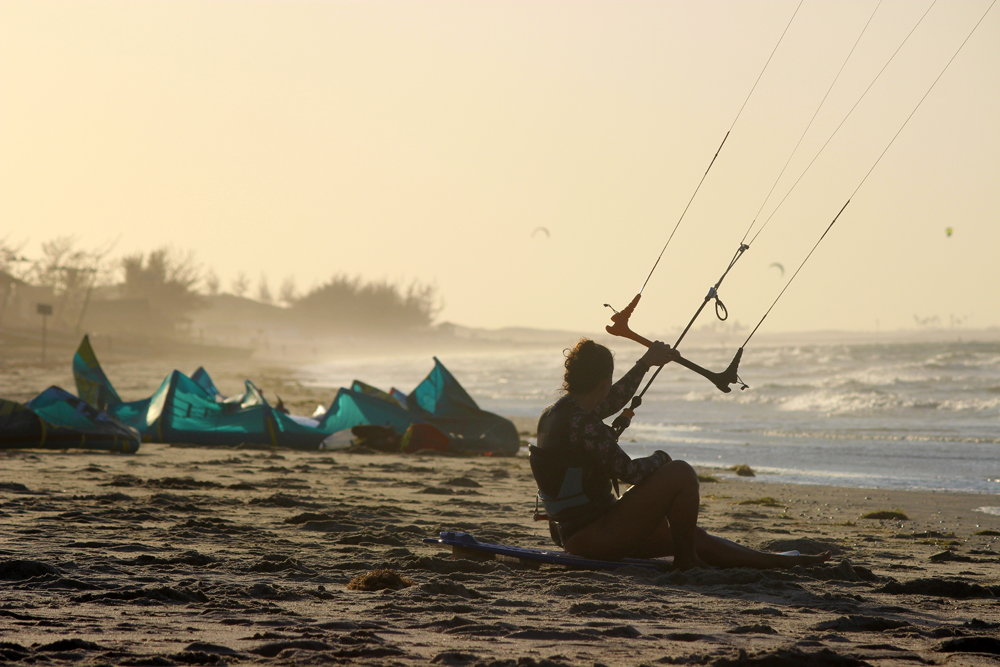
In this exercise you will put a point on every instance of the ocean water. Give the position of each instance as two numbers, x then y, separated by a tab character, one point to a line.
894	415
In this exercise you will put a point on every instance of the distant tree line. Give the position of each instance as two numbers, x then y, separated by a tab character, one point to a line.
163	278
350	304
175	286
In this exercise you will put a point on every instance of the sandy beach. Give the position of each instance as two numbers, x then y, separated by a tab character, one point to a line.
182	555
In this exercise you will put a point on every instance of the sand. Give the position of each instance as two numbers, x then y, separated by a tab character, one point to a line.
182	555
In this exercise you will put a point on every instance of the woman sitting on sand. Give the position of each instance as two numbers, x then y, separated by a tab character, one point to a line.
578	456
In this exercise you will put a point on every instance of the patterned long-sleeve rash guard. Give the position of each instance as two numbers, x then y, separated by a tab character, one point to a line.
577	459
596	438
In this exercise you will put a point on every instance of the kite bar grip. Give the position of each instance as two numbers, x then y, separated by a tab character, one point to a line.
720	380
620	326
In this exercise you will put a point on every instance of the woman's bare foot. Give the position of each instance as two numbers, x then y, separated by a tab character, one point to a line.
808	559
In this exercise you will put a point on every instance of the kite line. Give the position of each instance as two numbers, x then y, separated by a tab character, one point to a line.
879	159
719	150
730	375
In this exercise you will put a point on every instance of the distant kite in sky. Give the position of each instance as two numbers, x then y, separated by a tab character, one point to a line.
779	267
948	231
541	229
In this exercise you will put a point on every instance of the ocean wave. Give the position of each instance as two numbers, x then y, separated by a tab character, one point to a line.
658	434
986	362
967	356
841	402
661	426
888	377
855	398
863	380
972	404
908	361
890	437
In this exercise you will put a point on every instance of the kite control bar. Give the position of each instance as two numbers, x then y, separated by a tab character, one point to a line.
721	380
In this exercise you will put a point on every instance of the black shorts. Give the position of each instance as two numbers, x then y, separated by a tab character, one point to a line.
561	531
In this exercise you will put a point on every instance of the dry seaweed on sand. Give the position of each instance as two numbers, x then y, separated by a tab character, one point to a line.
891	515
765	501
378	580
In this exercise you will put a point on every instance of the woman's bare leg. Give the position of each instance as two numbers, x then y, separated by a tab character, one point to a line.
720	552
658	517
670	495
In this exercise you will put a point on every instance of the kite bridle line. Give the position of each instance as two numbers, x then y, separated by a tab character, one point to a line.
835	131
730	375
813	119
719	149
713	292
620	319
877	160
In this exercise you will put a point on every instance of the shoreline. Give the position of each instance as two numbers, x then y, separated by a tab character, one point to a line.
794	478
138	379
526	426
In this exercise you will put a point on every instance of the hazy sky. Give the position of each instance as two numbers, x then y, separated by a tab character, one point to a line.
427	140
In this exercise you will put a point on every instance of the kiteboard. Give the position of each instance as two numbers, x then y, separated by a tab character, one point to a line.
464	545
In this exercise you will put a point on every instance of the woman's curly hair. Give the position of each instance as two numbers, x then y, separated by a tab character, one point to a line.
587	365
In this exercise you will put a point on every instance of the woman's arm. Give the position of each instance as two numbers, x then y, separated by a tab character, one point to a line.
599	441
622	391
658	354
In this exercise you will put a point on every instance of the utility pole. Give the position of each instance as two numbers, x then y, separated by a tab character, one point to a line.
86	298
44	309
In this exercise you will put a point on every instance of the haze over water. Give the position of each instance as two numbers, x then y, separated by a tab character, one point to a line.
893	415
